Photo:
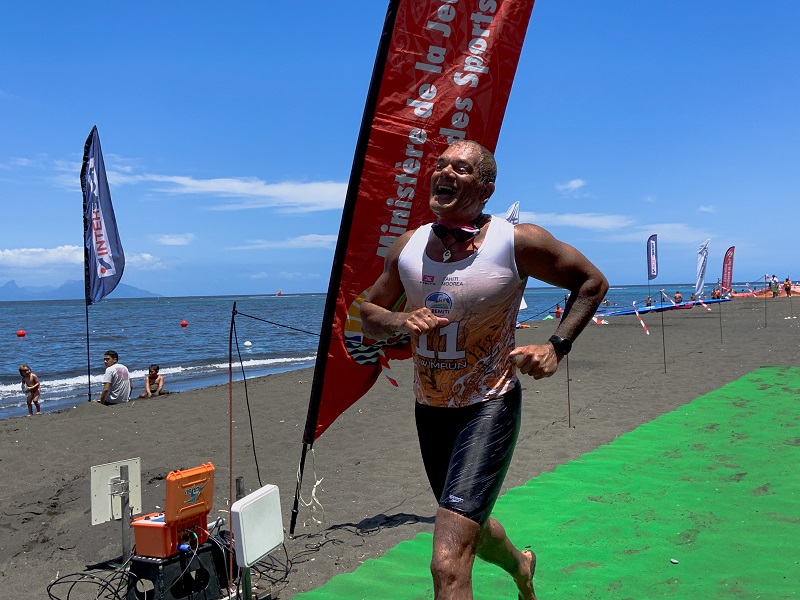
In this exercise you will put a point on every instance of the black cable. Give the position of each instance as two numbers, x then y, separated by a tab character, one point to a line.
246	397
279	324
109	587
541	312
269	564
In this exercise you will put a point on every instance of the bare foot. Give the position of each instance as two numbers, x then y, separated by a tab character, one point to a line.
525	582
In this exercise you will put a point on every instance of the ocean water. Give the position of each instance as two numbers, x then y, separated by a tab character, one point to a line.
148	330
145	331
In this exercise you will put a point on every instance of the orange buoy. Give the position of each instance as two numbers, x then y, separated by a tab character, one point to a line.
21	333
184	324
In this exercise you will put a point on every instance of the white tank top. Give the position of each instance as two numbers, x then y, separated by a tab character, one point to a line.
466	361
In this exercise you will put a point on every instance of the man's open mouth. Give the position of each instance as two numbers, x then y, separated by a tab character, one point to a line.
445	190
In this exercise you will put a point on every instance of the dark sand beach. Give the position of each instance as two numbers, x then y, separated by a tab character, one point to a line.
373	492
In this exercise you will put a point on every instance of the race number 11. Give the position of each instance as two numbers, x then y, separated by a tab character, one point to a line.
451	352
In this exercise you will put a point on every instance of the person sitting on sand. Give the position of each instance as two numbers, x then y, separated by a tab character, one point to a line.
153	383
117	384
30	387
678	297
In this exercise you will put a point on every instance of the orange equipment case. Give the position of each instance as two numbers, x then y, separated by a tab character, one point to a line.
189	497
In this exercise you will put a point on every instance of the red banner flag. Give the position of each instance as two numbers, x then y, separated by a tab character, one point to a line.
443	73
727	270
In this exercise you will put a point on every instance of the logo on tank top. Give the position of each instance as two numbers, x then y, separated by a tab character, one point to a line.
439	303
428	279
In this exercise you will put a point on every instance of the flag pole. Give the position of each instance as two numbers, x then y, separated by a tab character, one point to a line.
103	257
719	287
663	338
341	249
87	286
88	359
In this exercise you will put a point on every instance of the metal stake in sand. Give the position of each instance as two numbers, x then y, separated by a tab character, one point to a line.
569	407
119	487
663	340
246	583
719	306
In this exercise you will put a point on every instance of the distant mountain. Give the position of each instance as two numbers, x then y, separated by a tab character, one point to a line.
69	290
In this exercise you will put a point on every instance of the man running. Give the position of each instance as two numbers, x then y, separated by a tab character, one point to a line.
463	277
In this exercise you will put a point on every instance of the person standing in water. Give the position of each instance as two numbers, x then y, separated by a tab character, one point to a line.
30	387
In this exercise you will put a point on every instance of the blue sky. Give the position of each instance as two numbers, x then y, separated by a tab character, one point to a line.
228	134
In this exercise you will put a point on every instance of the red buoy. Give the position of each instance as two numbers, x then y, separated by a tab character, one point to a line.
184	324
21	333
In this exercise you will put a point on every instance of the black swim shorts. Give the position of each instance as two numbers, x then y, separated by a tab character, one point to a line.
466	451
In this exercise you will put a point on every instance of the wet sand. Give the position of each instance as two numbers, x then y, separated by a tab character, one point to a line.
372	489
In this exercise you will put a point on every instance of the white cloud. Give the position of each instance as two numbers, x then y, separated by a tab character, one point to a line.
40	257
21	162
259	275
312	240
619	228
255	193
18	162
246	193
571	186
668	233
706	208
144	262
117	162
301	276
175	239
69	255
590	221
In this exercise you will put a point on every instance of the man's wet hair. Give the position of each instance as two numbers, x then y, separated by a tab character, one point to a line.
112	354
154	367
487	166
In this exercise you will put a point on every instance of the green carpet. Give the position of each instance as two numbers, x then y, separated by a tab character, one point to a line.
714	485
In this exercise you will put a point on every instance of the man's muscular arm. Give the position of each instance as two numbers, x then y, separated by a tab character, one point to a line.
378	321
541	256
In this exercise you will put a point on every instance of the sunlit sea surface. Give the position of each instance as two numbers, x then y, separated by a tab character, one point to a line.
148	330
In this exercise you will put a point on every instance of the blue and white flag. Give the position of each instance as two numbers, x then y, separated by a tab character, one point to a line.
702	260
104	260
512	214
652	257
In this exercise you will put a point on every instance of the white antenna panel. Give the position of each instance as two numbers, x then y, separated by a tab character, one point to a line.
257	525
106	502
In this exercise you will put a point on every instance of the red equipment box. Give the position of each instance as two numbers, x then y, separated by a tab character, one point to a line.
189	498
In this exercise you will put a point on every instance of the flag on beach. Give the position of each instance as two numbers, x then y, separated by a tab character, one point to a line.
727	270
443	73
512	214
652	257
104	260
702	260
